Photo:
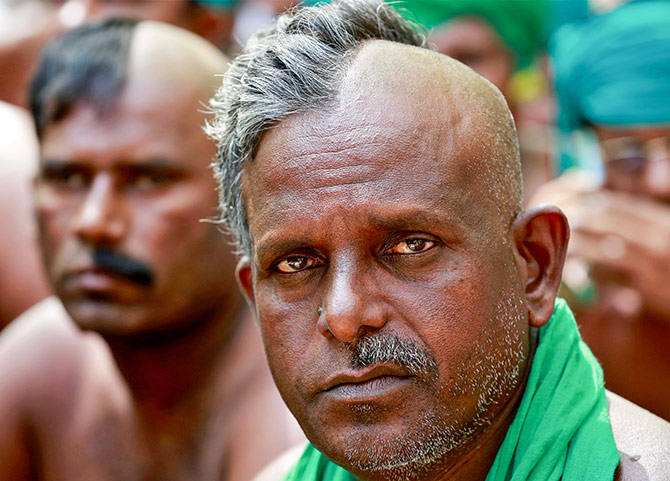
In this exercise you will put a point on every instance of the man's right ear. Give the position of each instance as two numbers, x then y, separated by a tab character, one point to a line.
245	281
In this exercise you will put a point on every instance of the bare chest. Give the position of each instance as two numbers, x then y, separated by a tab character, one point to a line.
99	436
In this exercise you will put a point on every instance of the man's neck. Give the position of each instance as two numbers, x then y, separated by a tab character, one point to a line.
475	463
165	376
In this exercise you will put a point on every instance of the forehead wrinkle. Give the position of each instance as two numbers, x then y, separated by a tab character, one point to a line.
328	145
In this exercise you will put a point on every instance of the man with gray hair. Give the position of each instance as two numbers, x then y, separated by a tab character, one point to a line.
407	304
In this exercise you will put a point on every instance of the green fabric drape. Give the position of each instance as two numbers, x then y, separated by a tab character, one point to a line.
561	430
521	24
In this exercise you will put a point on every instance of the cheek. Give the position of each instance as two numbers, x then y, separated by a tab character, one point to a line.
289	335
461	314
284	326
455	320
170	230
53	230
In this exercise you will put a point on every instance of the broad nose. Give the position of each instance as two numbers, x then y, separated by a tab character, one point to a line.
353	304
99	220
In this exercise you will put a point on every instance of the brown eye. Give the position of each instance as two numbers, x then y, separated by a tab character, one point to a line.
412	246
146	182
295	264
75	180
65	177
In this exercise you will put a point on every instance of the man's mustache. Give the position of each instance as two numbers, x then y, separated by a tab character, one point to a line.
122	265
389	348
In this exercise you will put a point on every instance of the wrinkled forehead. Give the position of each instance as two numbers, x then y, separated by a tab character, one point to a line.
408	126
404	103
376	150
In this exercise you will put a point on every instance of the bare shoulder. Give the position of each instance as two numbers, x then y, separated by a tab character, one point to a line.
40	348
643	439
277	468
258	408
38	359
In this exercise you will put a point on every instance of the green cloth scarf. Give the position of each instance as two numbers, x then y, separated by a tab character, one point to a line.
521	24
561	430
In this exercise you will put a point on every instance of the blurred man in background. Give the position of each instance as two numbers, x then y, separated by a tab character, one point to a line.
161	375
612	77
25	27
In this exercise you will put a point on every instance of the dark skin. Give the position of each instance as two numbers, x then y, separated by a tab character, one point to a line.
382	218
163	377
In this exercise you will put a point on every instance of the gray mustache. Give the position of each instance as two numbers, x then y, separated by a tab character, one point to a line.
389	348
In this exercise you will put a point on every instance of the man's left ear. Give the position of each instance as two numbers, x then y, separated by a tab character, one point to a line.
541	240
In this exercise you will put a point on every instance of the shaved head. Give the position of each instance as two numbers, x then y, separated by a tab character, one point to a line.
458	101
117	52
170	53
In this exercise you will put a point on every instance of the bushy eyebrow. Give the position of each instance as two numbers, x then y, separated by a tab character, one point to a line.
276	243
156	163
151	163
56	164
418	219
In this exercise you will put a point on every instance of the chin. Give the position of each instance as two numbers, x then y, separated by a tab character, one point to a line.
415	445
105	318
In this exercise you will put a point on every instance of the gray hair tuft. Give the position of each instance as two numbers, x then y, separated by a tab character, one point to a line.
293	67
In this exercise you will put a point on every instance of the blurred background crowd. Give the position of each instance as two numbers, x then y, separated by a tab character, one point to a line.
588	83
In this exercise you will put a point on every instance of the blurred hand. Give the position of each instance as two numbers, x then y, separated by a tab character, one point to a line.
625	239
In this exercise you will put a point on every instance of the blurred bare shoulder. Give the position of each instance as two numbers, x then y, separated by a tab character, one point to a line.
258	408
26	347
643	440
22	278
39	350
277	468
44	361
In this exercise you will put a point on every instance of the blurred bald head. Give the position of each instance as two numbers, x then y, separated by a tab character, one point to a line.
162	51
93	64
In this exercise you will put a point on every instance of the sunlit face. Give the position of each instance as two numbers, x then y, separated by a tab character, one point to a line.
476	44
637	160
119	202
386	290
